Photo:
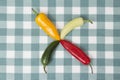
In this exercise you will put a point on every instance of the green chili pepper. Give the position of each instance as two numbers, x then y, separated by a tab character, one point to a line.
47	54
71	25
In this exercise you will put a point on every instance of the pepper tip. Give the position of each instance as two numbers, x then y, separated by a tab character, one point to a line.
91	68
44	67
35	12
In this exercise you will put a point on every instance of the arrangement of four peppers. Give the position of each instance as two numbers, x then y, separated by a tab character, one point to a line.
44	22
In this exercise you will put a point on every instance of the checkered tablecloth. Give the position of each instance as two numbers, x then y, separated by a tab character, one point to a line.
22	42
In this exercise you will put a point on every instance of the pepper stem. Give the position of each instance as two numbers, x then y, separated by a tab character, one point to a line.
88	21
44	67
35	12
91	68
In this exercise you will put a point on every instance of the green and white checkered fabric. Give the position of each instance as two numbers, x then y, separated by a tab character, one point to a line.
22	42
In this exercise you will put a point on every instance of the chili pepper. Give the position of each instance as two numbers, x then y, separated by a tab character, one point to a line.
47	54
76	52
71	25
45	23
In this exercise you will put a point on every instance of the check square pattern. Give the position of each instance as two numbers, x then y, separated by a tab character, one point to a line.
22	42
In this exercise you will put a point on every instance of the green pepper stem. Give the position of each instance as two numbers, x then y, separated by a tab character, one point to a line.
91	68
88	21
35	12
44	69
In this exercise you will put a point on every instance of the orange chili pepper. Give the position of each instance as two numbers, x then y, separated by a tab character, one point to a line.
44	22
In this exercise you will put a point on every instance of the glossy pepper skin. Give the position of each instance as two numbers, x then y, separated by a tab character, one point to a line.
76	22
76	52
46	57
47	26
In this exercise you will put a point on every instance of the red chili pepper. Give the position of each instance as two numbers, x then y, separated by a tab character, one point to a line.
76	52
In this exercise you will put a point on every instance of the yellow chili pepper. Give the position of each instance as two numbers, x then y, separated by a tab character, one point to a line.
44	22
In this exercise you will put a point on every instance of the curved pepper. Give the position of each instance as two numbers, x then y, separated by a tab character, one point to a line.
45	60
71	25
76	52
44	22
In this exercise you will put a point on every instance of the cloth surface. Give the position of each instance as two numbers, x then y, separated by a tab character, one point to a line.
22	42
